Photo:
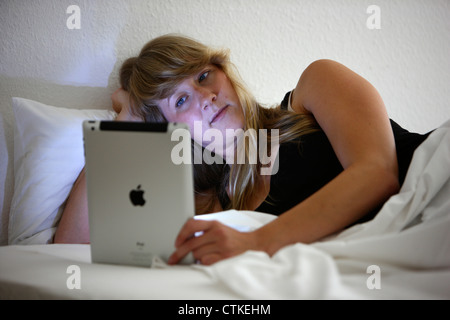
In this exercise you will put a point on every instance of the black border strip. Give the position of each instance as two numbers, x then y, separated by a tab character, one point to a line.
133	126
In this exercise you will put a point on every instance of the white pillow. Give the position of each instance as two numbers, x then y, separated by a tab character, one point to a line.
48	156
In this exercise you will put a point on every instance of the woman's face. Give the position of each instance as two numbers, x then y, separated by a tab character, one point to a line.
205	101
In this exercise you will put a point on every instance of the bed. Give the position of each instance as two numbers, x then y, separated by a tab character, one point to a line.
404	253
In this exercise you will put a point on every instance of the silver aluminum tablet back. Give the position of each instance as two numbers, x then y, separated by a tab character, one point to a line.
138	198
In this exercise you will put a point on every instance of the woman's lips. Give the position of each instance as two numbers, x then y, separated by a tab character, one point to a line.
219	114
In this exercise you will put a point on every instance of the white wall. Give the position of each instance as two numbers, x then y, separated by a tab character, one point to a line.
271	42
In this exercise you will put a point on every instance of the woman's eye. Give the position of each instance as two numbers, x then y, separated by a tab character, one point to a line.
203	76
181	101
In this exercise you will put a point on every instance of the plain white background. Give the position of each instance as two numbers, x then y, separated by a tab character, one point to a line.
271	42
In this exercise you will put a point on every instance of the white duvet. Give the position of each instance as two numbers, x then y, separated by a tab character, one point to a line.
404	253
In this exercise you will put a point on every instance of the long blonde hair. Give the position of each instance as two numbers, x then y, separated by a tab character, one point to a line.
166	61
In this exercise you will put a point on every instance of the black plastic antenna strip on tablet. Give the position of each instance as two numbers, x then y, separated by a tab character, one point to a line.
133	126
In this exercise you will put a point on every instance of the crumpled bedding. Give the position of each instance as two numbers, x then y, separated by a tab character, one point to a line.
404	253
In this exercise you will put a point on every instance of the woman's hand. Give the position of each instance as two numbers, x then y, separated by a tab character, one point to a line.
121	104
217	242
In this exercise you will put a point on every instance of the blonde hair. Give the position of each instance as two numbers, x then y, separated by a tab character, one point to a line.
166	61
161	65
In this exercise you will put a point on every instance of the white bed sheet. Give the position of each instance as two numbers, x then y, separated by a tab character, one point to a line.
40	272
407	244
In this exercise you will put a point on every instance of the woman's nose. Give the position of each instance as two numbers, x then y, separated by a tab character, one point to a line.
207	98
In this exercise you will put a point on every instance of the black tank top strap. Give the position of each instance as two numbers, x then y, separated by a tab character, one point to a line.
285	102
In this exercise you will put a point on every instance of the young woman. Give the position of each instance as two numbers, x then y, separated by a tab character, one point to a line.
340	156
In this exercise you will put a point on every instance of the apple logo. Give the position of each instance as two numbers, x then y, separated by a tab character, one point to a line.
137	196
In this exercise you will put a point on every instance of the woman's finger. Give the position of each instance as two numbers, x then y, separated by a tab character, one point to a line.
200	245
190	228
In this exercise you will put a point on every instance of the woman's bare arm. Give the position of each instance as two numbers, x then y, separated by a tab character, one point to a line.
73	226
354	118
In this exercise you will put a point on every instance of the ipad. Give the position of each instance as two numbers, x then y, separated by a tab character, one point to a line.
140	189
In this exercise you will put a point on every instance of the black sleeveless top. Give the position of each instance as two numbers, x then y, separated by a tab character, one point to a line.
307	164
